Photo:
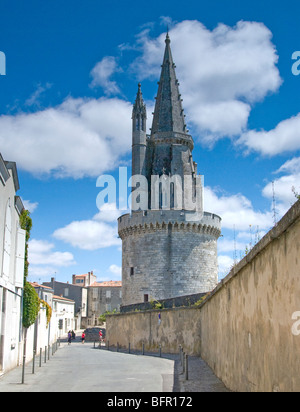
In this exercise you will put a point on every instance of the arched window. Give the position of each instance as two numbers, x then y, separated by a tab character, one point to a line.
7	241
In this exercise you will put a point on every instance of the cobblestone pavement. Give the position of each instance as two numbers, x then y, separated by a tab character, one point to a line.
200	377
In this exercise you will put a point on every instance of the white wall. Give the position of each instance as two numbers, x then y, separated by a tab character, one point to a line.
12	250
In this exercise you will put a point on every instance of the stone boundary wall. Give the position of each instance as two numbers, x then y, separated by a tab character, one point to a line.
166	303
177	326
247	326
248	329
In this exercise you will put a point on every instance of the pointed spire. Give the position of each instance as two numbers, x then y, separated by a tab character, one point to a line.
168	112
139	105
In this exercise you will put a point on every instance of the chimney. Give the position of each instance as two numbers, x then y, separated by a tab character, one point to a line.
73	279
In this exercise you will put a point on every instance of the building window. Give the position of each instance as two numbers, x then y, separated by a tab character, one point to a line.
66	292
146	298
108	294
131	271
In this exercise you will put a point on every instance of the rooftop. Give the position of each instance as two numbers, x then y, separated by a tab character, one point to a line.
111	283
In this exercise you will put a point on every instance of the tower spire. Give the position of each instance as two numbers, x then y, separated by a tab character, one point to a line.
168	112
139	138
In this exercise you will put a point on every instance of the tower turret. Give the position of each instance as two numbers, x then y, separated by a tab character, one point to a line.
139	138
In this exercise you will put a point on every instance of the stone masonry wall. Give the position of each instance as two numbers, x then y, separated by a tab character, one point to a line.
248	329
167	259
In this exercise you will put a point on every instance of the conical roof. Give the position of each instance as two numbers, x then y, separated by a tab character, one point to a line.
168	112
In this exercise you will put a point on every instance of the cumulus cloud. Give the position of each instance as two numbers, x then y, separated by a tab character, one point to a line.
285	137
236	211
284	188
41	253
115	270
88	235
77	138
96	233
222	72
102	73
30	206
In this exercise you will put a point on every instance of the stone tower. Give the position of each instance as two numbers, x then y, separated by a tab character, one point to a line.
169	244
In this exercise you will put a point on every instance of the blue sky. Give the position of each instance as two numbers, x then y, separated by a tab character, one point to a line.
72	70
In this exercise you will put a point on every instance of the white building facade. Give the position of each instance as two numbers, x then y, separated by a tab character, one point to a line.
63	315
12	255
43	333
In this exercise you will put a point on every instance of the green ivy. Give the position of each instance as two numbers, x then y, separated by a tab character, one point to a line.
31	301
48	310
31	305
26	224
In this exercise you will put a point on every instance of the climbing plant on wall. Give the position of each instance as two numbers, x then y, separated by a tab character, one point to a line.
31	301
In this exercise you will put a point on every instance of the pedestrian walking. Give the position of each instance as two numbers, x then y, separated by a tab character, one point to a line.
83	337
159	319
69	337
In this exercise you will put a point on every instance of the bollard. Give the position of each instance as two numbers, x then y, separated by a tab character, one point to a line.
129	347
160	350
187	367
45	360
23	369
48	352
40	364
108	345
33	361
183	362
117	346
143	350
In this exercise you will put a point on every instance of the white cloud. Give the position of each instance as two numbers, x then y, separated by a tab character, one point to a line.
97	233
34	99
115	270
102	72
283	188
41	253
78	138
88	235
236	211
221	72
109	213
227	245
292	166
30	206
225	264
285	137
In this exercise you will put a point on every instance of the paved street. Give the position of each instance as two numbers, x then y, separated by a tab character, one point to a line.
81	368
